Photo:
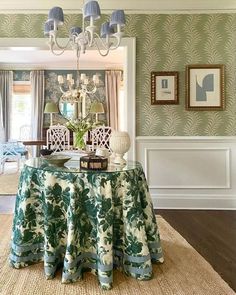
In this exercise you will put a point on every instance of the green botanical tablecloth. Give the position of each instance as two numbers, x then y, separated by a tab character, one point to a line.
83	221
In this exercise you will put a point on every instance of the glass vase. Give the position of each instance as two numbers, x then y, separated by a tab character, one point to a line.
79	140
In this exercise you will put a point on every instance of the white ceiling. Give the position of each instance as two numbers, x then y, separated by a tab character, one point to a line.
131	6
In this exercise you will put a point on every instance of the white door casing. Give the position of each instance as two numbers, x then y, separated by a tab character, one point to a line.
129	68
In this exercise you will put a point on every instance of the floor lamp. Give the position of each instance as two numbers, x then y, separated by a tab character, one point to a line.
51	108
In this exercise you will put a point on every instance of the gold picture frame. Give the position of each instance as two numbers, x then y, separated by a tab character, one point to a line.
164	88
205	87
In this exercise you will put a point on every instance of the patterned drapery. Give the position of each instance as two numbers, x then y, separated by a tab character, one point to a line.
37	94
6	82
113	80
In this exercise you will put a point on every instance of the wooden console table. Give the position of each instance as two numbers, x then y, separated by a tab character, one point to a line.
34	142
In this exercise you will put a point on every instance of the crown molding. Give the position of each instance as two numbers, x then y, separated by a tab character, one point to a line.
130	7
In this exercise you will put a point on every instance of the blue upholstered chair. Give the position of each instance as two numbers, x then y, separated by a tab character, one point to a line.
12	151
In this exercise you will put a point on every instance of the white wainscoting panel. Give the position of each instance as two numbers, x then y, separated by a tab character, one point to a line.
189	172
187	167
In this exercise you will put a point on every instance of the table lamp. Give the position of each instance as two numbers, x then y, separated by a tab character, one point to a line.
97	108
51	108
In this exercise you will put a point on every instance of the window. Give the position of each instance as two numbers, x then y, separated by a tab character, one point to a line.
20	108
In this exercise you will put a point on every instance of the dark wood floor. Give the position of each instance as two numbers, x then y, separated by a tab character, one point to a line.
212	234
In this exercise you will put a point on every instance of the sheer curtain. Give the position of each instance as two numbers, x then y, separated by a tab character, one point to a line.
6	83
37	95
113	81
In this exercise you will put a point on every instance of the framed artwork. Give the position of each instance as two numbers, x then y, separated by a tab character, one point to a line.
164	88
205	87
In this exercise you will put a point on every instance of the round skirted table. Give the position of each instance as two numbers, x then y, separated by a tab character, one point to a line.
85	221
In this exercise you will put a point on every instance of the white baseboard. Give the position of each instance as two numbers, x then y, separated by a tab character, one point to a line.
194	202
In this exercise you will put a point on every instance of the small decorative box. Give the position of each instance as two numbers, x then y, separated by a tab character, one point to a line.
93	163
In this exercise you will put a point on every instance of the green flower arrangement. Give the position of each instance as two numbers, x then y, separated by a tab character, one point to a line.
79	128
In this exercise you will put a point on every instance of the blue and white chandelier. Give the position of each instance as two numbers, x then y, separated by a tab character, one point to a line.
81	38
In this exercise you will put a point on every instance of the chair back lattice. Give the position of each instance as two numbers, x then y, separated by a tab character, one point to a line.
58	138
100	137
11	151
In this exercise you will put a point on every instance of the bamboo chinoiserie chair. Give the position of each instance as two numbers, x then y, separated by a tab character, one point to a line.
58	138
100	137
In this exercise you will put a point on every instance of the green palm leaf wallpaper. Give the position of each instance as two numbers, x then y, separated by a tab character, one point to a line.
166	42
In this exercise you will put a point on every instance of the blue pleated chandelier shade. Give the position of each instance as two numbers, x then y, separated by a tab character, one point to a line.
106	29
117	18
48	26
56	14
92	9
75	31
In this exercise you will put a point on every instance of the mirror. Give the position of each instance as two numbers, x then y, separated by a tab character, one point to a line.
39	44
74	110
66	109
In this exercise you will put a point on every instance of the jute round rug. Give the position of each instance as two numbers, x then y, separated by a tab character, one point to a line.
9	183
184	272
9	179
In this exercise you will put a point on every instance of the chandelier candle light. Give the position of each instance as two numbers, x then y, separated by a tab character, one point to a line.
80	38
72	93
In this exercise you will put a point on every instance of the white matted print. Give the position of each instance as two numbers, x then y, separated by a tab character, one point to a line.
164	88
205	87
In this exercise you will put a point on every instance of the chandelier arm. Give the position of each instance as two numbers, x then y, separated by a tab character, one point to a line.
110	46
90	92
106	46
89	34
64	92
118	40
57	54
53	41
85	90
51	45
59	46
93	90
75	45
99	50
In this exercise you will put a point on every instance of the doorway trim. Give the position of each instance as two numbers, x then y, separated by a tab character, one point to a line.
129	45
